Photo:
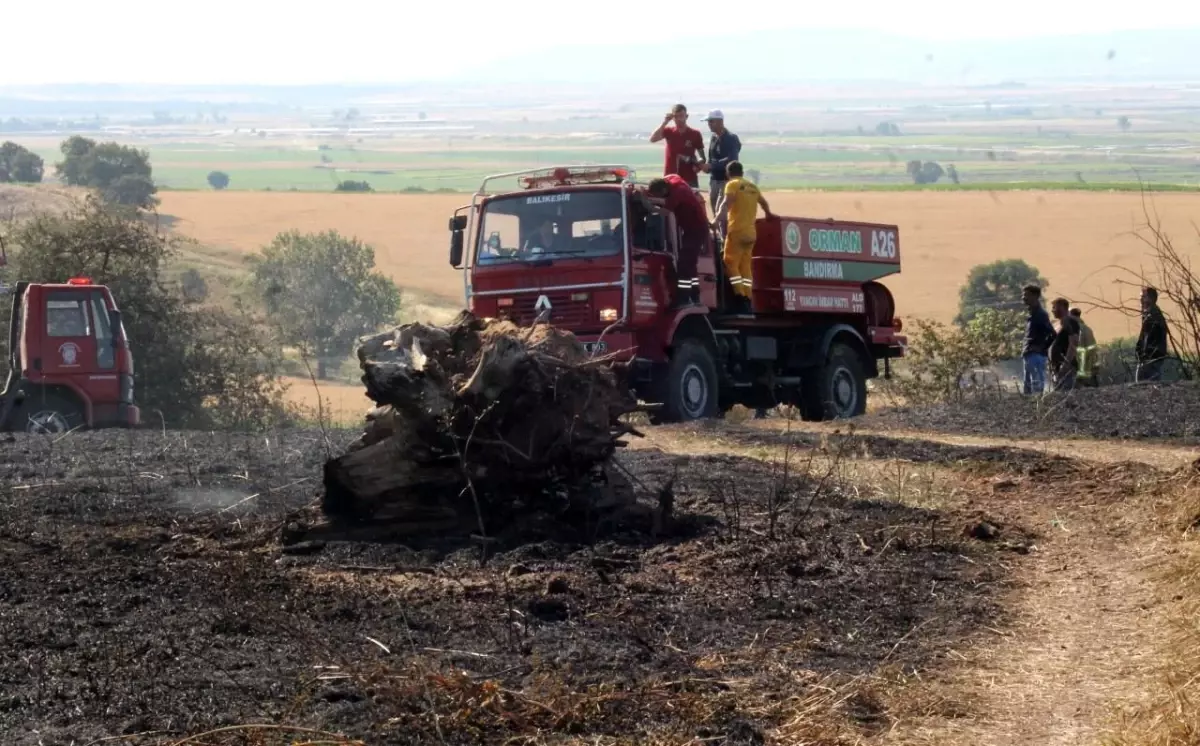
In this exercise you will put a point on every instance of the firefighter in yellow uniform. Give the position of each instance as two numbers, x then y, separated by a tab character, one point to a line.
1087	350
740	203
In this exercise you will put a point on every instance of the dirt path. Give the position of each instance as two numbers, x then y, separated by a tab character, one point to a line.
1084	613
1080	643
1158	455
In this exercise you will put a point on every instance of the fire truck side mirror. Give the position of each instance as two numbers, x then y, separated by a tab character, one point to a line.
656	232
456	249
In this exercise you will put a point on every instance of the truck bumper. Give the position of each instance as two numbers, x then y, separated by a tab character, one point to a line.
619	344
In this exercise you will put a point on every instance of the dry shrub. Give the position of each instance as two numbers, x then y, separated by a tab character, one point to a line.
429	703
940	356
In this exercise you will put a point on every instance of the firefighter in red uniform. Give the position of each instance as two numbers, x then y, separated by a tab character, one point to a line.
688	207
685	146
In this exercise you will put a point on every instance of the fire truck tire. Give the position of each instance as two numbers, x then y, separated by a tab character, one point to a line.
49	414
689	389
838	390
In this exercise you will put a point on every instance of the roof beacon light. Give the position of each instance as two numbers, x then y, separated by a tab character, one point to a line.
79	281
568	175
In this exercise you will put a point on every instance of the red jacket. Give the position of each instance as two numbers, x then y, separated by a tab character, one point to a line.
683	143
687	206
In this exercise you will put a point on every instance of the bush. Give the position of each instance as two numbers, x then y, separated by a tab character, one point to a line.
218	179
940	356
193	285
1117	364
198	367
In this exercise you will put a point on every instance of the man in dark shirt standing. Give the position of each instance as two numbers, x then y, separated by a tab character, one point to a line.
724	148
1064	360
1038	334
1152	342
685	146
688	208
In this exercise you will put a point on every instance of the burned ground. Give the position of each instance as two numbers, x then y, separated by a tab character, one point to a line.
1147	411
147	591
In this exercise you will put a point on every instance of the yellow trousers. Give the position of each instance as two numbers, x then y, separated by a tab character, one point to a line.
736	253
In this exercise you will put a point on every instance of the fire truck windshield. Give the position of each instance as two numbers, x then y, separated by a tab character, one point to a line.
565	224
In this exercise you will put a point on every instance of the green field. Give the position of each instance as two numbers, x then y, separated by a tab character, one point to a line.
782	165
1068	136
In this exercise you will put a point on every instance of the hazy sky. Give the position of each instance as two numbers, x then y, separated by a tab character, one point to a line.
269	41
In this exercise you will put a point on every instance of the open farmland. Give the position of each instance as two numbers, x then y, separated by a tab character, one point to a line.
1070	236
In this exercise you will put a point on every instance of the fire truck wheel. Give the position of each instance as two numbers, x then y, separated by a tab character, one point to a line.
690	387
50	415
838	390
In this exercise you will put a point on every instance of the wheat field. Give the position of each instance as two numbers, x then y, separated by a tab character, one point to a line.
1072	237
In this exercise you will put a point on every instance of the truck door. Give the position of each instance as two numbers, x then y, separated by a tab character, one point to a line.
103	384
68	349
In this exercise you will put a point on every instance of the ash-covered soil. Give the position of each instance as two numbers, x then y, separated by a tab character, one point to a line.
146	594
1146	411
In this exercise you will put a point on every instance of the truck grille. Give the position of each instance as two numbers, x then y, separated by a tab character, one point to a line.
563	311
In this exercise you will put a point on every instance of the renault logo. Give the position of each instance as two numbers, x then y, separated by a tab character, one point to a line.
543	304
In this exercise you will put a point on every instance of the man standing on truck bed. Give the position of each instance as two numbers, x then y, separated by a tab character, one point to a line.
740	201
692	221
685	146
724	148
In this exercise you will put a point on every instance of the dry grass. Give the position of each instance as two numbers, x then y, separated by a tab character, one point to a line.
341	404
1067	235
19	201
1171	715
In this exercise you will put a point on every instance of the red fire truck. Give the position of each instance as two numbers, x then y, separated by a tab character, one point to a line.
69	363
586	249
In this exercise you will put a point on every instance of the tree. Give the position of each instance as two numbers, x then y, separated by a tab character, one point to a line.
997	286
199	367
925	173
20	164
218	179
1124	122
952	173
120	173
322	292
350	185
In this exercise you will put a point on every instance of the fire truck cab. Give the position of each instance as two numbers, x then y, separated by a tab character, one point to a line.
69	363
585	248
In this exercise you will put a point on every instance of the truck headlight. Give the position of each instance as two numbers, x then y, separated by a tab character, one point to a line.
608	314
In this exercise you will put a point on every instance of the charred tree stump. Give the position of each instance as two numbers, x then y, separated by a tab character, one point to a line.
477	422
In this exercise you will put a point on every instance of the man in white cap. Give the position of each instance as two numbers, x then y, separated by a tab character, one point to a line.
724	147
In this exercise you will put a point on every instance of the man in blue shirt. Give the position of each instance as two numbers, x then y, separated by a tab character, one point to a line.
1039	333
724	147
